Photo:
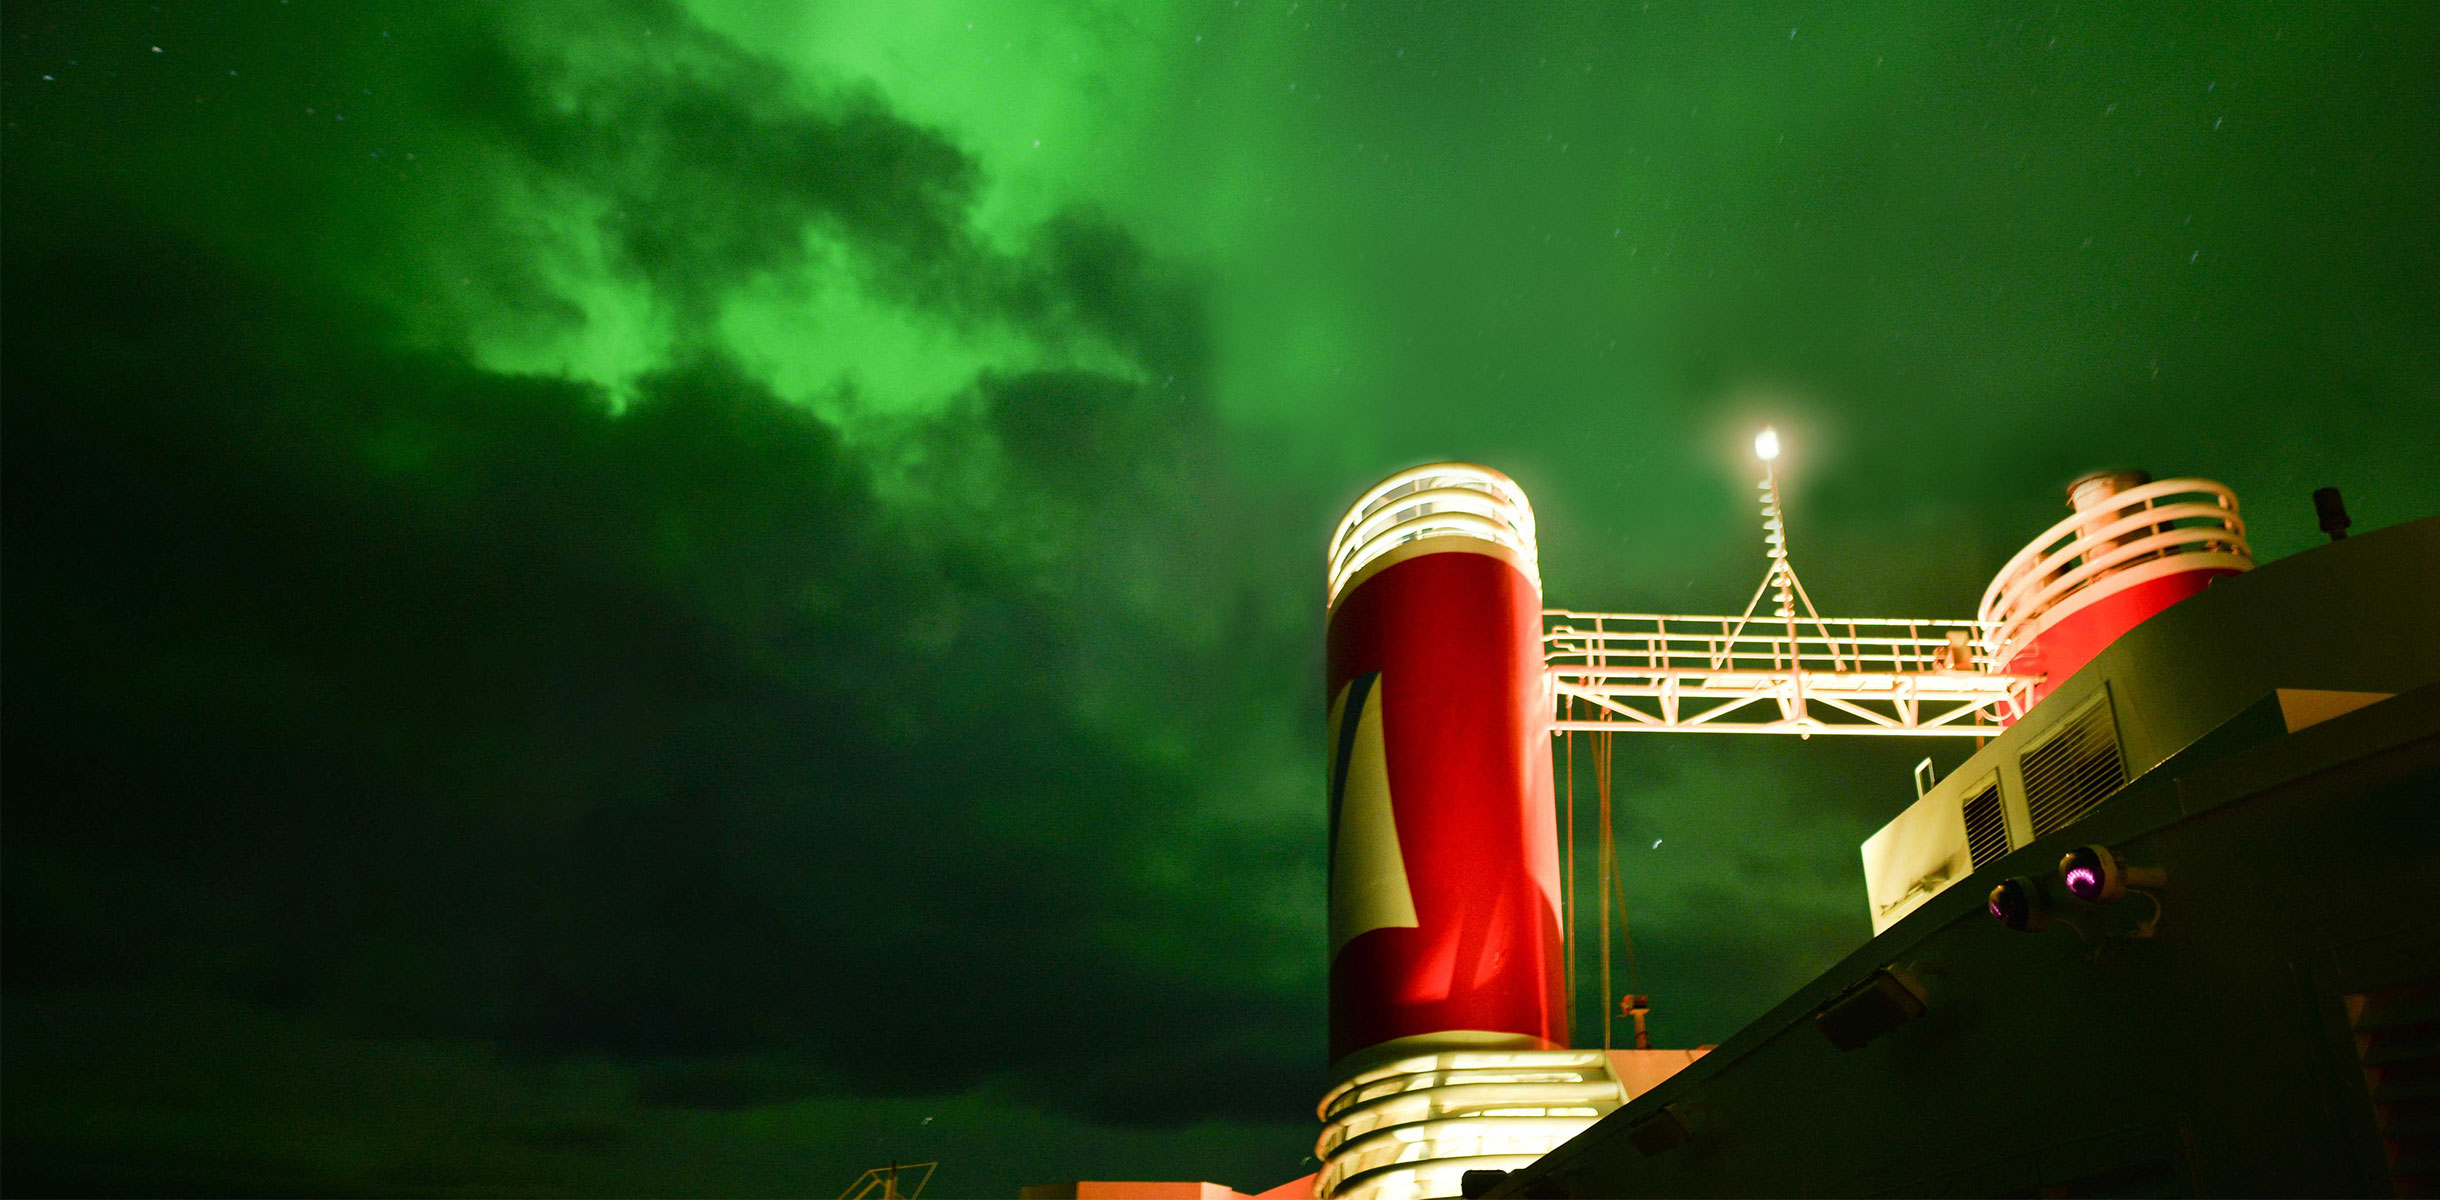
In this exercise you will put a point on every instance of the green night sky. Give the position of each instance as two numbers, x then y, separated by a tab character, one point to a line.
693	597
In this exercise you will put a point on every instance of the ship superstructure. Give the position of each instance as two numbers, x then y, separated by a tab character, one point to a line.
2176	931
2146	704
1447	678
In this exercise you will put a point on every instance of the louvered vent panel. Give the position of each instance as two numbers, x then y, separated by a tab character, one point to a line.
2073	769
1986	826
2397	1037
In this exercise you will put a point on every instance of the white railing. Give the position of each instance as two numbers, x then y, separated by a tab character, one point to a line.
2151	523
1700	674
1412	1129
1437	500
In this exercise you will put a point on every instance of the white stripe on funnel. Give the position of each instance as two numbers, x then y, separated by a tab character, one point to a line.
1368	887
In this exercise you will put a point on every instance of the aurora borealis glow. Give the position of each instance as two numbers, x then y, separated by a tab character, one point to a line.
690	598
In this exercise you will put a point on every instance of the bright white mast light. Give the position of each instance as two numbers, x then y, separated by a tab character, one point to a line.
1766	443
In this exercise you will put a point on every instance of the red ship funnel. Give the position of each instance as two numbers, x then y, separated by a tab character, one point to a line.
2132	548
1444	861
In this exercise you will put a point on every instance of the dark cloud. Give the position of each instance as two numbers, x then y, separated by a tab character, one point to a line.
708	162
354	682
478	709
604	602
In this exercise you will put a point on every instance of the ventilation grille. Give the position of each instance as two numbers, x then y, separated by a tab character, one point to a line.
2397	1038
1986	826
2073	769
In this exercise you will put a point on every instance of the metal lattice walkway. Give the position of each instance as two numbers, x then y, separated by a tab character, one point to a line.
1788	670
1804	675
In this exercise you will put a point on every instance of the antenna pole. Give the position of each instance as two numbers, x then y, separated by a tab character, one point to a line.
1781	579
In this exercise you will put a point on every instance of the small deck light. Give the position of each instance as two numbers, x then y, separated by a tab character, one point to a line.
1884	1000
2021	904
2096	874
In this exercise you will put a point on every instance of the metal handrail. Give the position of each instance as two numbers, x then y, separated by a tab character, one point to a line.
1879	676
1435	1115
2087	546
2012	588
1455	499
1390	489
1421	502
1681	644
